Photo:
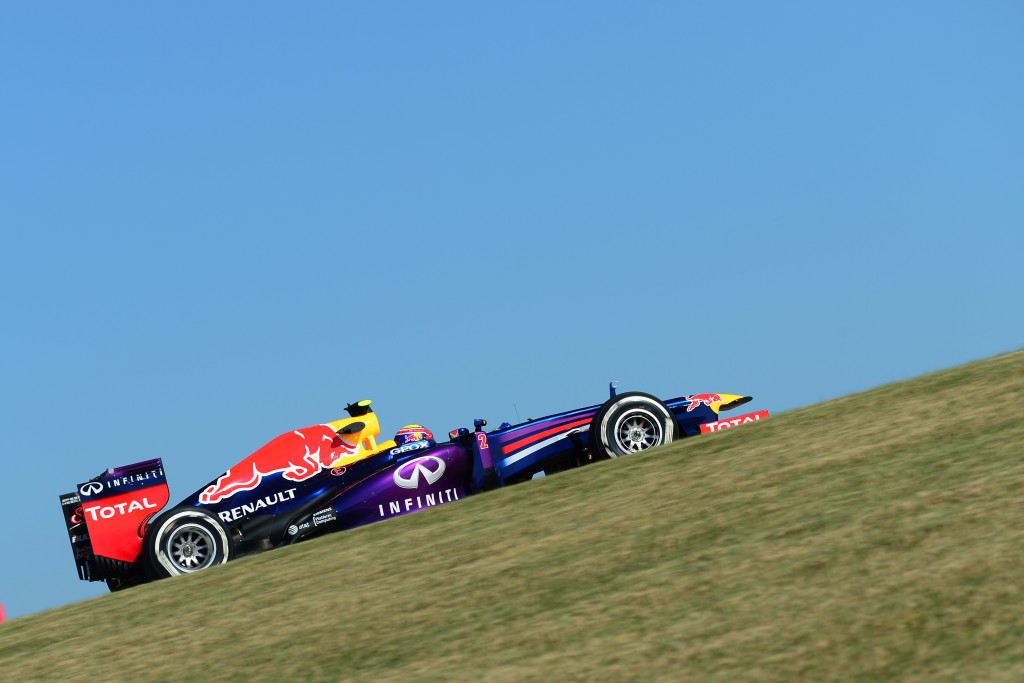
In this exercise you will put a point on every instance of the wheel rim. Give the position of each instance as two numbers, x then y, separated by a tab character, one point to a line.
638	430
190	548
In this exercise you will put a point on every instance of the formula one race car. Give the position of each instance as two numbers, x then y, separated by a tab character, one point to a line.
336	476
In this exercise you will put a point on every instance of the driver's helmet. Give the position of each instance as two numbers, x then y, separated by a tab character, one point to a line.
413	433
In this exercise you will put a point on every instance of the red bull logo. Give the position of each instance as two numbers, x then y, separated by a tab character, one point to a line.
297	456
702	399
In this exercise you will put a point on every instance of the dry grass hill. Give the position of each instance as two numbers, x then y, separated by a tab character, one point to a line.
875	537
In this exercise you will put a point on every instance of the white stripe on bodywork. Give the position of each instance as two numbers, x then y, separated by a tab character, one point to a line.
536	447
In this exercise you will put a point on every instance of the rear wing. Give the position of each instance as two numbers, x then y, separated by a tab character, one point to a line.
106	517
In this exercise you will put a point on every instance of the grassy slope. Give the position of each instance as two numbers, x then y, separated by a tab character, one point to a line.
875	537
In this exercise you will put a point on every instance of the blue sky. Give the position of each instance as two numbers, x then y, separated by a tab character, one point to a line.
222	222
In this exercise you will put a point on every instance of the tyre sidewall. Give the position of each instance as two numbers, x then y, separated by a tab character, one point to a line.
602	436
159	564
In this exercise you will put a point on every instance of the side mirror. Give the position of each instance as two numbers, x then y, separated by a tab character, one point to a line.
456	434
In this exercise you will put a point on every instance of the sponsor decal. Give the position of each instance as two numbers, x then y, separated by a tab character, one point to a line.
70	500
79	537
429	500
698	400
292	530
733	422
324	517
112	484
138	477
76	516
241	511
414	446
428	468
98	512
91	488
296	456
338	471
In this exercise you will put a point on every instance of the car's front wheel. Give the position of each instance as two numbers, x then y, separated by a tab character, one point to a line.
630	423
186	540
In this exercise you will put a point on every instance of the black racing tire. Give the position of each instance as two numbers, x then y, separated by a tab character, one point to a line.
186	540
630	423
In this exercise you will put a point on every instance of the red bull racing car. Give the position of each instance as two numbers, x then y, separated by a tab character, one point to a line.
336	476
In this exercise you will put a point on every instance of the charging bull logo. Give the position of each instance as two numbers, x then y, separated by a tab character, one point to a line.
297	456
702	399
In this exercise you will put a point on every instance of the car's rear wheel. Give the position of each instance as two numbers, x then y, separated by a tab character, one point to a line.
186	540
630	423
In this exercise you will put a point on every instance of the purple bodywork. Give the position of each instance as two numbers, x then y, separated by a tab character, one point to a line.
259	505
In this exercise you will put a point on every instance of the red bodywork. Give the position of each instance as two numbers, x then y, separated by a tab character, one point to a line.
732	422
